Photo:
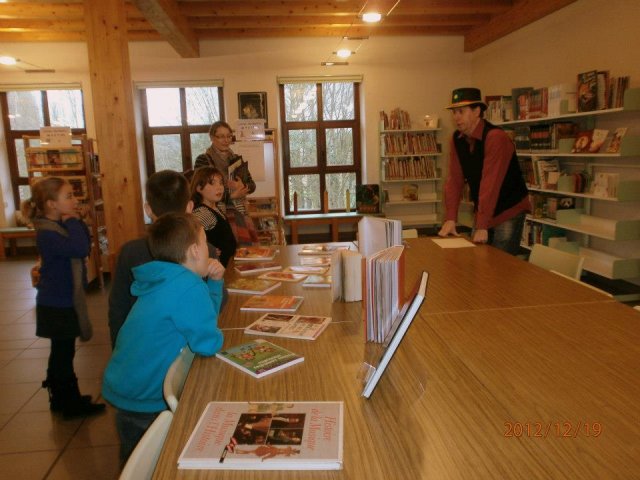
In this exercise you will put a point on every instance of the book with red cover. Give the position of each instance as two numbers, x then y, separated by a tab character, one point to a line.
582	142
253	268
272	303
587	91
255	254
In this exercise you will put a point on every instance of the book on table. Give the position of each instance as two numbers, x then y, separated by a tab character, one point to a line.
255	254
315	261
373	373
266	436
259	358
346	276
253	268
375	233
307	269
317	281
321	249
272	303
305	327
251	286
283	276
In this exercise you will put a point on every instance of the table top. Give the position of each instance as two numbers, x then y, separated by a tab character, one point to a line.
472	384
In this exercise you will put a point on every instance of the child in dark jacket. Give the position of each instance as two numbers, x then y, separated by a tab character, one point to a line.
63	242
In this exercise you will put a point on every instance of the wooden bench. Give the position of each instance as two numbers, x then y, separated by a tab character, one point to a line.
13	234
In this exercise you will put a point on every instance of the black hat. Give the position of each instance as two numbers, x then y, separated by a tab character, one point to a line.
466	97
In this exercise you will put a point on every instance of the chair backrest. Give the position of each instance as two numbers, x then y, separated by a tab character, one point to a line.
583	284
552	259
144	457
410	233
176	375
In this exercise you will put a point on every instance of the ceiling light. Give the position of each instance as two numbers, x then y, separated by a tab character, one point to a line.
355	38
344	53
333	64
371	17
8	61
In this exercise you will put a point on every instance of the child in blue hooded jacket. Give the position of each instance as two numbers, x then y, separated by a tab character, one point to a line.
175	308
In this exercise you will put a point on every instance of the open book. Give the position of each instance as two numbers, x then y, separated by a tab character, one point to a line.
400	327
259	358
375	233
266	436
304	327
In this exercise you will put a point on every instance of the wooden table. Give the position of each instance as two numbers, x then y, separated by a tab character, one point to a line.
467	369
332	219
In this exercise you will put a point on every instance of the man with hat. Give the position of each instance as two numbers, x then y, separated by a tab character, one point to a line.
483	156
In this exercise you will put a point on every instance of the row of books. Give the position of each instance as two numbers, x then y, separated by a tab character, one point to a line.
597	90
397	120
546	206
41	157
546	137
417	167
409	143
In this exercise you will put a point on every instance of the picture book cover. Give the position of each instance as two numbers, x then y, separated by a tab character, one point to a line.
266	436
368	198
251	286
410	192
587	91
239	169
253	268
283	276
305	327
582	142
255	253
616	140
308	269
598	137
272	303
321	249
259	358
315	261
317	281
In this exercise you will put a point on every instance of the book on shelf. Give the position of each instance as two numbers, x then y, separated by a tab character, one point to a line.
616	140
383	293
410	192
259	358
255	254
254	268
582	141
520	98
499	108
272	303
395	336
559	94
547	173
304	327
397	120
283	276
602	99
261	204
251	286
598	137
560	130
346	275
322	249
307	269
616	91
587	91
522	137
538	103
317	281
375	233
409	168
266	436
605	185
368	198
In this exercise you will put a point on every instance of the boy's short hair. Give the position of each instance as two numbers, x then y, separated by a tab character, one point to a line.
171	235
167	191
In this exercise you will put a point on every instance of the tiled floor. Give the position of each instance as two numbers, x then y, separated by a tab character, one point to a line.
34	443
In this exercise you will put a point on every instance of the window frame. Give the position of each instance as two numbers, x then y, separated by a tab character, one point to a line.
184	130
12	135
320	126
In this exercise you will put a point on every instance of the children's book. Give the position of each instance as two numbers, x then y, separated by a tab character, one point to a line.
321	249
598	137
239	169
308	269
266	436
368	198
247	268
616	140
305	327
587	91
255	253
315	261
317	281
283	276
259	358
376	233
251	286
393	339
272	303
582	142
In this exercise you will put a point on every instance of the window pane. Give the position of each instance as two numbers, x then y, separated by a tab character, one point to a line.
199	144
22	159
302	148
163	106
65	108
202	105
308	189
167	152
25	110
339	146
24	192
338	101
300	102
337	186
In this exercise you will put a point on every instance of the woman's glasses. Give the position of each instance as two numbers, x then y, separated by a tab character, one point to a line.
224	137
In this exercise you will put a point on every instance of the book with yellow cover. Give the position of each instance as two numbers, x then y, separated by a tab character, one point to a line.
272	303
307	269
255	253
251	286
305	327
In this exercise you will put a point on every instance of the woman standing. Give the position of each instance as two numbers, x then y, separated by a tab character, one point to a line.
236	188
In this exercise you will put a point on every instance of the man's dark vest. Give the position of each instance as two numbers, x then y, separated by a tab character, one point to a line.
513	188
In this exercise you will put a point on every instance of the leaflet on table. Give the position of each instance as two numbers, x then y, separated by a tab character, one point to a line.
272	303
259	358
306	327
266	436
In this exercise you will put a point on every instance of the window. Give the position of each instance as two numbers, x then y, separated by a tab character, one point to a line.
176	124
25	112
321	143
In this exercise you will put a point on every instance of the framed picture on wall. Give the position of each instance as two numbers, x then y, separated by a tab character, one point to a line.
252	105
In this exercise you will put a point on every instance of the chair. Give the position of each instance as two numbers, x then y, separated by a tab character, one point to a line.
175	377
552	259
583	284
409	233
144	457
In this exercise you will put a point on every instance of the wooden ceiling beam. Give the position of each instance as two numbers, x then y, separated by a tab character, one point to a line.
166	18
523	13
51	11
